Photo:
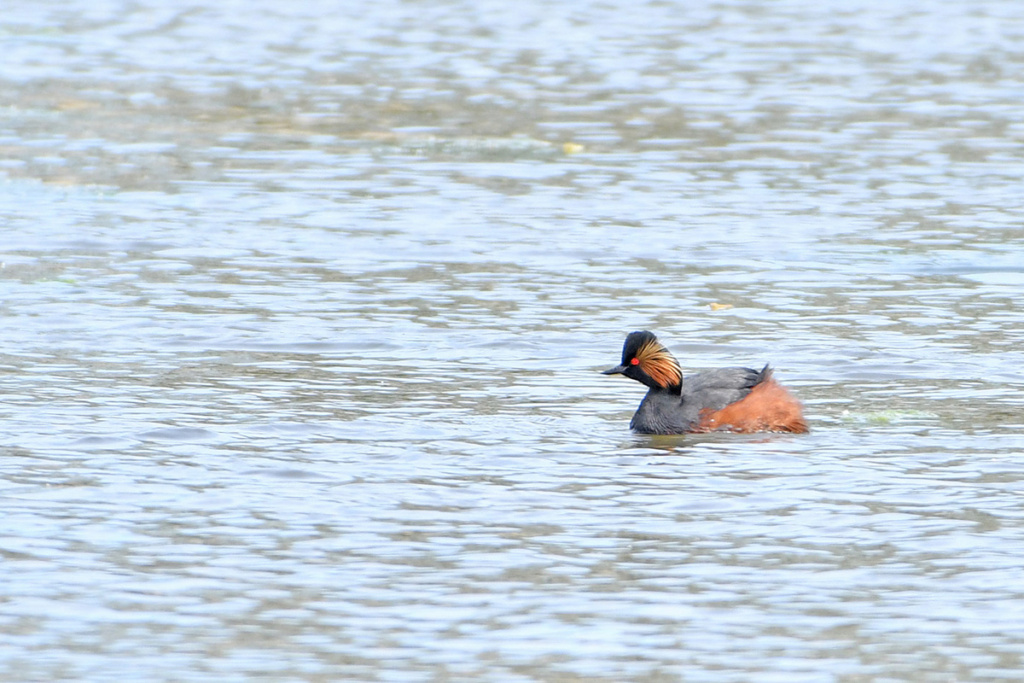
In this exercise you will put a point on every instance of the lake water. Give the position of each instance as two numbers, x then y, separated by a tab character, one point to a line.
304	304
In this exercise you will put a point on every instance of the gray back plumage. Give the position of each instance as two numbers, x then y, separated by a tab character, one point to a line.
663	412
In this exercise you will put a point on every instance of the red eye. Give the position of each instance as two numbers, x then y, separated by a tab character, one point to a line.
635	361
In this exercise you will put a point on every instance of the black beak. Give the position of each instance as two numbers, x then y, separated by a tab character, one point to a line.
617	370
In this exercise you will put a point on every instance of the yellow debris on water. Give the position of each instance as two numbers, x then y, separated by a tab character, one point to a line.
572	147
719	307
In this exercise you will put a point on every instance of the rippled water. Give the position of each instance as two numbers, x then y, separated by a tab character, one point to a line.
303	308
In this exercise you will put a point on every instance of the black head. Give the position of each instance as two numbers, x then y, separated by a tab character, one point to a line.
647	361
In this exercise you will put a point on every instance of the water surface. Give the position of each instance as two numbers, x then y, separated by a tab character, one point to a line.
303	311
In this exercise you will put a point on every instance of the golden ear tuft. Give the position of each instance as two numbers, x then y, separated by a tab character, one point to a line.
656	361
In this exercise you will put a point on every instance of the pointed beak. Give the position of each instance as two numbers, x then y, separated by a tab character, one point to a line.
617	370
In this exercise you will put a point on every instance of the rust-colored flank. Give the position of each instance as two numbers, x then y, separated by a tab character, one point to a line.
769	407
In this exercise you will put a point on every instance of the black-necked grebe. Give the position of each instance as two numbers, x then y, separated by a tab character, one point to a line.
729	399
